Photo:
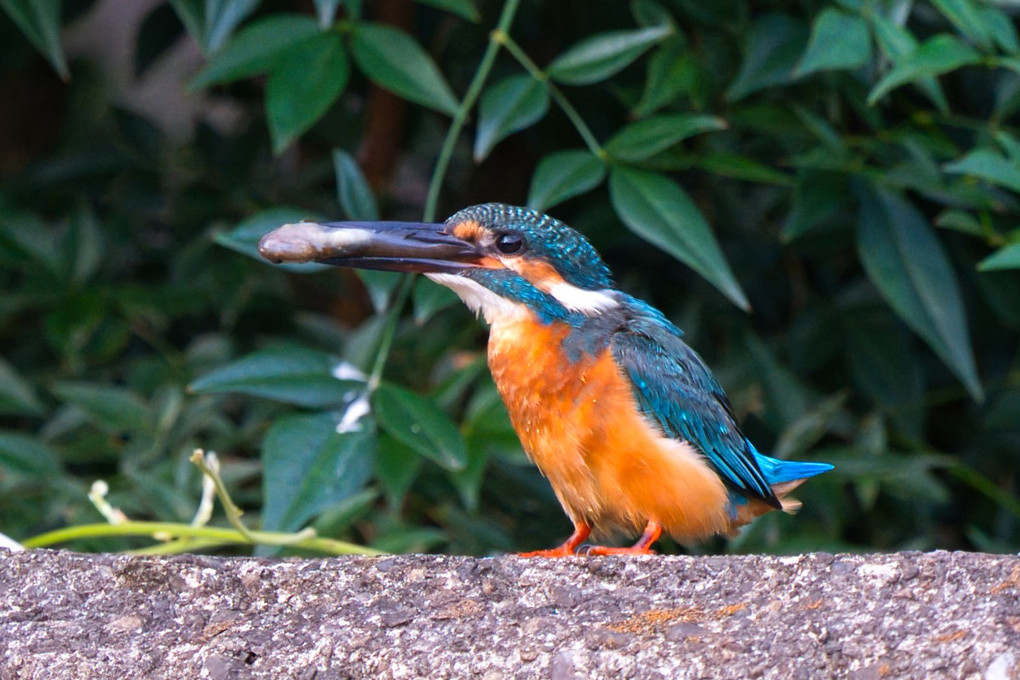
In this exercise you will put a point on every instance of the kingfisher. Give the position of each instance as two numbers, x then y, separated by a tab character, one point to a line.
623	418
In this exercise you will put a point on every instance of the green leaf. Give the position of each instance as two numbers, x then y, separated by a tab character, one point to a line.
787	398
352	190
509	106
115	409
908	265
210	22
27	454
906	475
83	246
16	396
396	62
192	15
966	16
244	238
672	71
488	424
416	422
469	480
326	11
465	9
898	43
221	18
562	175
255	49
941	54
655	208
308	466
354	9
1004	414
396	465
820	128
885	364
1009	143
838	41
429	298
452	390
1007	257
39	20
600	56
742	167
1001	29
961	221
380	285
1013	64
303	84
290	374
773	48
650	13
808	429
893	40
645	138
817	198
989	165
1002	295
338	517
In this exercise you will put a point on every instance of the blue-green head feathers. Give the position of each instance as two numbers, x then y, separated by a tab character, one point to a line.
545	238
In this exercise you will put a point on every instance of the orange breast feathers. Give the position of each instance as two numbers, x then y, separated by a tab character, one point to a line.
579	422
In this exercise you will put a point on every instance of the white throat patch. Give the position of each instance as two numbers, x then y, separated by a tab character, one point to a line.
494	308
481	300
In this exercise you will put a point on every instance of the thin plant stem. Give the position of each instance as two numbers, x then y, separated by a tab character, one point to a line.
399	298
506	18
390	329
561	100
233	512
176	530
175	537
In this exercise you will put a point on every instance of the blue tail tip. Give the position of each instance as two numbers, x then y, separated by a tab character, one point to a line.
777	471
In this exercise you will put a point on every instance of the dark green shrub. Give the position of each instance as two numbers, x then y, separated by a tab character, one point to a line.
840	180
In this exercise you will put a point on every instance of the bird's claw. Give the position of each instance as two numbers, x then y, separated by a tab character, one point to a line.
552	552
588	550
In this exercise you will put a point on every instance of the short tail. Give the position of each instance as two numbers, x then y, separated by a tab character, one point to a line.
783	476
779	471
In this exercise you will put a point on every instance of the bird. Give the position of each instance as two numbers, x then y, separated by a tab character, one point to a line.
624	419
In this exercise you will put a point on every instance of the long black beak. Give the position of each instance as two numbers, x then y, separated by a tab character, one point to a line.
390	246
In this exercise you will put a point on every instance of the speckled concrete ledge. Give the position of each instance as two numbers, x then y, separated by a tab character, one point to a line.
923	615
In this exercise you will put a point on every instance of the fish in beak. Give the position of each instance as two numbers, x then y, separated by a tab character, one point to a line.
418	247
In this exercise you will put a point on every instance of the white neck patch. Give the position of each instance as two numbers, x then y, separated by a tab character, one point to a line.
481	300
588	302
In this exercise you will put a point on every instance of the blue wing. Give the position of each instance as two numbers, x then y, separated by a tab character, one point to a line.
675	389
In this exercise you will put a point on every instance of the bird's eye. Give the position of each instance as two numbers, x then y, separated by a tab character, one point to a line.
509	244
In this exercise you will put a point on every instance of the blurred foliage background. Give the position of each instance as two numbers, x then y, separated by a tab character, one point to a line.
823	195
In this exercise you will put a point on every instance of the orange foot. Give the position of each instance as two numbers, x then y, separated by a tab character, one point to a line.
561	551
643	547
593	550
569	547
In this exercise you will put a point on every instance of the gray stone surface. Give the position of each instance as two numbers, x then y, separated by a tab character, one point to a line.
923	615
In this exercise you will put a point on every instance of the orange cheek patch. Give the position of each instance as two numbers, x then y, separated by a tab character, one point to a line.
540	273
469	231
472	232
490	263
